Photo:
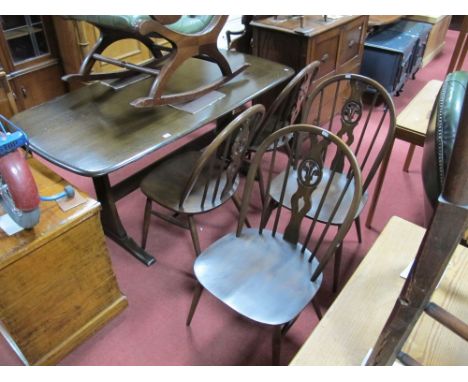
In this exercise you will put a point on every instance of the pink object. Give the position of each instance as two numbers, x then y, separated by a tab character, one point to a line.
16	174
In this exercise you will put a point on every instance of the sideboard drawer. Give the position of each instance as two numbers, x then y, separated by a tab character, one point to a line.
326	51
351	41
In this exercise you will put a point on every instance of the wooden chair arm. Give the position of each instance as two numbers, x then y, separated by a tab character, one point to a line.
166	19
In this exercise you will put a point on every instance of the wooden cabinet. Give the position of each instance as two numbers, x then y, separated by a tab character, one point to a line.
28	56
56	280
336	43
7	100
436	41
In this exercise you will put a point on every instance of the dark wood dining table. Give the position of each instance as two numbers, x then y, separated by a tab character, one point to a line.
94	131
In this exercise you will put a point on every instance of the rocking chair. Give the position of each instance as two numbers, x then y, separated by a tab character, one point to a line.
188	36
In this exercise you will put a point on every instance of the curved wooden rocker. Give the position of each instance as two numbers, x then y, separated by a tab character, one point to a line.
188	36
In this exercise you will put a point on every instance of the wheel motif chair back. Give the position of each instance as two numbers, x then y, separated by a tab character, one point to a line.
287	108
310	150
215	177
359	111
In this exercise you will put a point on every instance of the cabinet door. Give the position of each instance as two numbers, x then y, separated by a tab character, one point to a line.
38	86
7	99
286	48
352	41
129	50
326	51
27	54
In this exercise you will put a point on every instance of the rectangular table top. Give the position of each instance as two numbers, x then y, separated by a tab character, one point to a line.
93	131
354	321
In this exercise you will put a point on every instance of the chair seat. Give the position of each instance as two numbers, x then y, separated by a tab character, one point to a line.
191	24
261	277
166	183
186	24
337	185
125	23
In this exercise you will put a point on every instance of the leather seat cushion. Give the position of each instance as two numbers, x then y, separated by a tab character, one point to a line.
186	24
441	133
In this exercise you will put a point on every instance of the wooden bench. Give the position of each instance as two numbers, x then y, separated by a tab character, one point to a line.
352	324
411	127
412	122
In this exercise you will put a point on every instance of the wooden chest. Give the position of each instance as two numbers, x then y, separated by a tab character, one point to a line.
56	280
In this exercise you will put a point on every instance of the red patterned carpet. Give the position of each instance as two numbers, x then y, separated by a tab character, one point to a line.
152	331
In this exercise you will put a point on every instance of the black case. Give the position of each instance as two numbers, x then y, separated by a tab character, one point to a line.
421	32
387	58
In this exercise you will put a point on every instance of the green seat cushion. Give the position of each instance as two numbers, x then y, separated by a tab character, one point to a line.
121	22
186	24
190	24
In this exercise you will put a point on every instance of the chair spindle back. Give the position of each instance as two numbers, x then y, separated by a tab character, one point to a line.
359	111
286	109
216	174
309	153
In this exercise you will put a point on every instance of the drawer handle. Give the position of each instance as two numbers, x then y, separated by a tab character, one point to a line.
351	43
324	58
24	92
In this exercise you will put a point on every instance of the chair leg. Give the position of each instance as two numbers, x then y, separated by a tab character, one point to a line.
101	44
193	232
212	51
146	223
357	223
277	345
272	204
336	269
196	298
409	157
318	312
378	186
177	58
238	206
261	185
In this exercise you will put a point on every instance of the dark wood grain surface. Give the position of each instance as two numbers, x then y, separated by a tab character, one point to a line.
94	131
315	24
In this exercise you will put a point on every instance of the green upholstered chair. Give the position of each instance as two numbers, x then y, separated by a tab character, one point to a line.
187	36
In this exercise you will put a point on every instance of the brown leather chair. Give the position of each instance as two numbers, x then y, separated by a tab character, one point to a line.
440	137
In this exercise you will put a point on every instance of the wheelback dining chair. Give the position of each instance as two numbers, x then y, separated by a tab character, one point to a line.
339	105
186	36
269	274
285	110
195	182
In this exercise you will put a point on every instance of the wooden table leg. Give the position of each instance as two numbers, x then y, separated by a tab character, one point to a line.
460	49
112	224
378	186
409	157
